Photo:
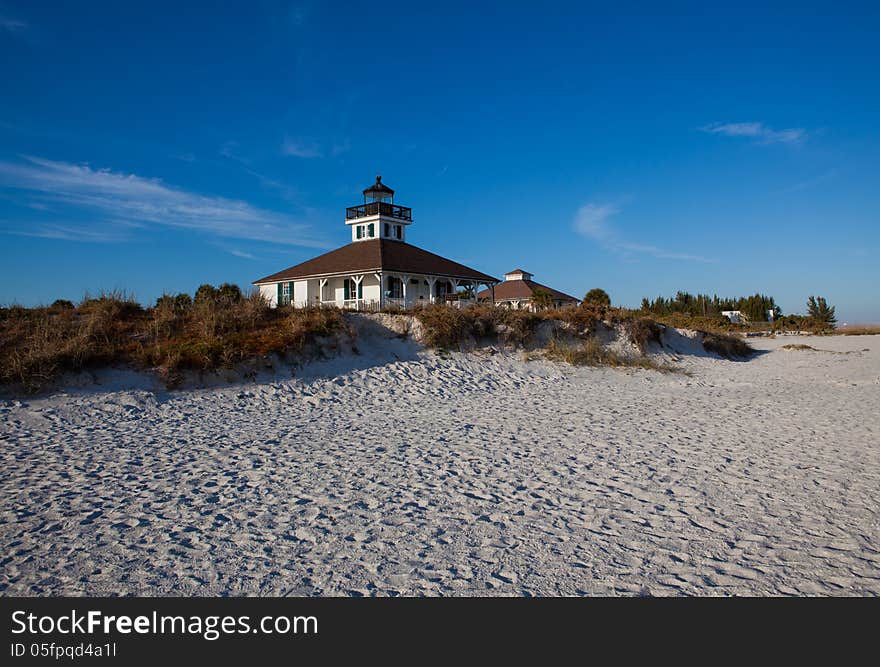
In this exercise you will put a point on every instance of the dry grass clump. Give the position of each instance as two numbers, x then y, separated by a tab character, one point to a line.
857	331
218	328
448	328
642	332
38	344
799	346
728	346
591	352
217	335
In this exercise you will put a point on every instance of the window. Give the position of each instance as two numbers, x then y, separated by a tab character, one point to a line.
395	287
398	231
360	231
371	230
285	293
387	230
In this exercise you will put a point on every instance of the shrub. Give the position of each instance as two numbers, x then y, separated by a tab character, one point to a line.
444	327
205	293
583	317
62	304
727	345
642	332
229	293
597	297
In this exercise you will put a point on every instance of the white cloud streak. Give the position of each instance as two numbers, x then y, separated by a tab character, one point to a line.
308	148
592	221
301	148
759	132
70	232
12	25
132	200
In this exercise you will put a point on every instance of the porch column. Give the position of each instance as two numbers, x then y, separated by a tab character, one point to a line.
492	289
454	284
357	288
322	283
381	290
432	280
404	279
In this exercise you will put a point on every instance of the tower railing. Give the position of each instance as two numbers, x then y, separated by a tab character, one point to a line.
379	208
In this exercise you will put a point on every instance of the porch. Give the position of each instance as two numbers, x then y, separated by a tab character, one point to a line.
371	292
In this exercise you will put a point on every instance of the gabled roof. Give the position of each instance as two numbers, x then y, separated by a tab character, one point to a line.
378	255
522	289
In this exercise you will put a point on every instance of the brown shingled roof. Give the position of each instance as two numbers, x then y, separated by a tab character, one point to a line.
522	289
378	255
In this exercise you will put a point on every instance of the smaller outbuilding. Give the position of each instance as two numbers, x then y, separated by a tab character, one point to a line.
519	291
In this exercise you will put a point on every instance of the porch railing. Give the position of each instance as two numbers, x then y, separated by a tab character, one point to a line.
365	305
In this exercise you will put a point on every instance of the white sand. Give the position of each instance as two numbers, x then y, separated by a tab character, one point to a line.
463	475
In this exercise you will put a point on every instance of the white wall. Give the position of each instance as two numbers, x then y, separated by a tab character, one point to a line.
301	293
270	293
378	228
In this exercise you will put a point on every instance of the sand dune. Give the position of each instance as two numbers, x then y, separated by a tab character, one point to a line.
404	472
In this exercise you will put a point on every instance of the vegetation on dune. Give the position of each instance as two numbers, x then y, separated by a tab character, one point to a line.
643	331
446	327
217	329
591	352
451	328
726	345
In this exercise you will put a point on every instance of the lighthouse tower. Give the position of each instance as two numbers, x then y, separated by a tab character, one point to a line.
378	217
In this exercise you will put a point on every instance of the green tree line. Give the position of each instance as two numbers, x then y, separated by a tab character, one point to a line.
756	307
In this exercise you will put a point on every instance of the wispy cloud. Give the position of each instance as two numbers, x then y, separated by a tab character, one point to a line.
811	182
11	24
70	232
304	148
593	222
128	199
242	254
758	131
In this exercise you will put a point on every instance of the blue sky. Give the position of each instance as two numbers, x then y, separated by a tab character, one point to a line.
640	148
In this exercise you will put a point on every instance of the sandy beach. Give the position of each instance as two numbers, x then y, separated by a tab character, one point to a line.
405	472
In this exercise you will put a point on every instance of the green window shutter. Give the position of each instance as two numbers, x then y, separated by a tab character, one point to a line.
346	292
279	294
290	292
360	232
371	229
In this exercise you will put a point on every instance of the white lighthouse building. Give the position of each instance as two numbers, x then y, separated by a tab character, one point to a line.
378	269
